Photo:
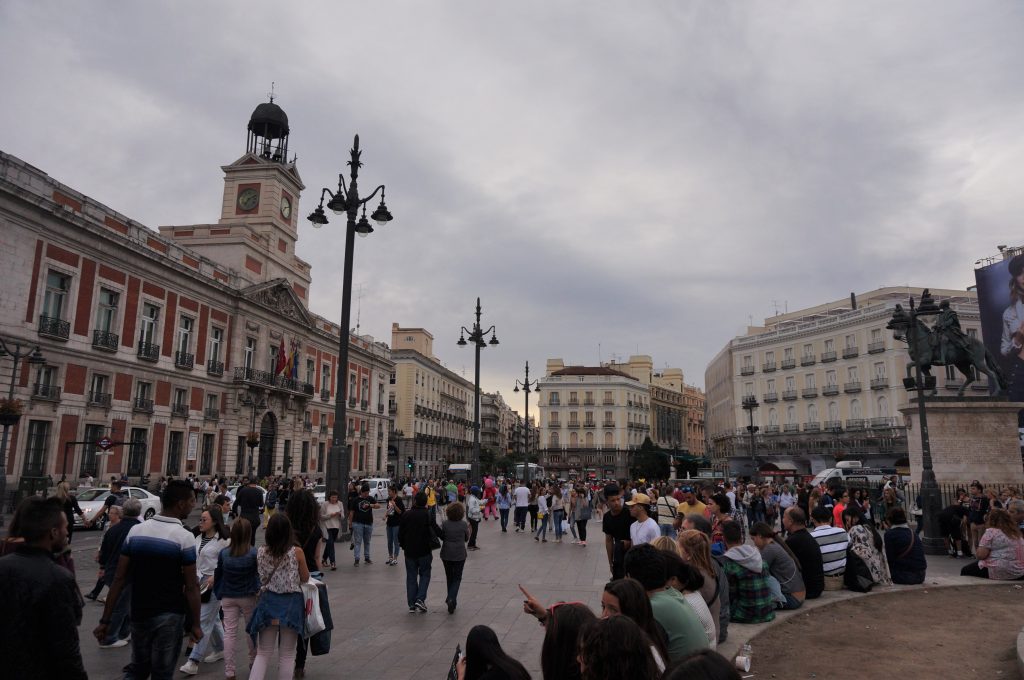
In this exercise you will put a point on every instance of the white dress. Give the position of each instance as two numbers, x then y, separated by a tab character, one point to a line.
696	600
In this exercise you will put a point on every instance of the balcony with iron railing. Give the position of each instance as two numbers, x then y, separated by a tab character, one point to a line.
148	351
184	360
180	410
747	370
855	423
833	426
608	423
142	405
380	408
770	429
788	363
791	427
768	367
883	422
211	413
588	402
788	395
101	399
879	383
876	347
44	392
573	425
809	392
54	328
770	397
830	390
812	427
215	368
851	387
364	405
826	357
589	424
808	360
105	340
850	352
267	379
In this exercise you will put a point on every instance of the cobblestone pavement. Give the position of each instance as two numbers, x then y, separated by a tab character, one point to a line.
376	637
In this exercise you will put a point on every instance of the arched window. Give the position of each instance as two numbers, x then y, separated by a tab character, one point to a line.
812	413
554	440
833	410
609	440
574	440
883	407
790	415
855	411
589	440
773	418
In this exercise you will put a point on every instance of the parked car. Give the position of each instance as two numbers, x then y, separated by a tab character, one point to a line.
378	487
92	500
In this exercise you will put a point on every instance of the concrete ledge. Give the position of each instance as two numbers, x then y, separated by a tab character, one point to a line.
1020	652
740	633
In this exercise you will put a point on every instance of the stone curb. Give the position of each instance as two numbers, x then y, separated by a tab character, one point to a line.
740	633
1020	652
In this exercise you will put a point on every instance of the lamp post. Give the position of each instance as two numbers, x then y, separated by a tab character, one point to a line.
749	405
527	386
476	334
252	439
346	201
17	352
931	497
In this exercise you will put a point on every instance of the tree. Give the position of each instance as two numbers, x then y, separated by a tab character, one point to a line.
650	462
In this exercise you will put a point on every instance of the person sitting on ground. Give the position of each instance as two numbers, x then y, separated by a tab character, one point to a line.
683	628
750	597
696	522
486	660
1015	507
719	511
950	520
703	665
833	542
782	564
695	549
688	581
1000	551
615	648
626	597
903	550
867	545
806	551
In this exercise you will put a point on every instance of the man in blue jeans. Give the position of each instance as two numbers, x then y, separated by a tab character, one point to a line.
360	518
158	560
414	532
110	554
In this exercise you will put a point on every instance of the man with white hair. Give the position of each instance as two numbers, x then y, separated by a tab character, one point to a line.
1016	509
110	551
113	516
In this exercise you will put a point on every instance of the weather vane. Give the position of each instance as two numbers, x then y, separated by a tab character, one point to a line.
271	93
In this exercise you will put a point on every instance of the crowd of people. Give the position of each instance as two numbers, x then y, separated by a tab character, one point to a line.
685	560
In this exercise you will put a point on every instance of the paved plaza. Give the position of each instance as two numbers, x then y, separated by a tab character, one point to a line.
376	637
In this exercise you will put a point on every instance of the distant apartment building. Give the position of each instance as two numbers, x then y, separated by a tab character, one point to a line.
827	381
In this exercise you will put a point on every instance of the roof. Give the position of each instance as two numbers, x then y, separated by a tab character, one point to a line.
592	370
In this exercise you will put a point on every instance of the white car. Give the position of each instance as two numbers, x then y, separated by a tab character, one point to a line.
232	490
320	493
91	501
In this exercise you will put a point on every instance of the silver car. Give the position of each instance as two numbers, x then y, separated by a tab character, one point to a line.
92	500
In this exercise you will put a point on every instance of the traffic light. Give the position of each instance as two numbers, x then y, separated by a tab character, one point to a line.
408	462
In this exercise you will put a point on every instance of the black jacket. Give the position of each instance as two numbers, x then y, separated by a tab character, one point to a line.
414	533
42	612
110	548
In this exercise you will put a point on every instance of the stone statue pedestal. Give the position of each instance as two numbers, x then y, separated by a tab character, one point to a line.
970	439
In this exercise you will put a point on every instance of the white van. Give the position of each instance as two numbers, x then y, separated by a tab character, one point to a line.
378	487
847	469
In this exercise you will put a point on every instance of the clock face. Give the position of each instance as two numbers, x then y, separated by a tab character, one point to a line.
286	207
248	199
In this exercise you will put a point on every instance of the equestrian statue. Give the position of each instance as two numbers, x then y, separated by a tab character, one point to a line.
944	344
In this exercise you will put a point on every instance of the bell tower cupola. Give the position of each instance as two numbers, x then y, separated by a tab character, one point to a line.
268	132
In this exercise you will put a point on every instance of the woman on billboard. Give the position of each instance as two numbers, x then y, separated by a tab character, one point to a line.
1012	343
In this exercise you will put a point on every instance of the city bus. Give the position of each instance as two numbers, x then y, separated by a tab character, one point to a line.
536	471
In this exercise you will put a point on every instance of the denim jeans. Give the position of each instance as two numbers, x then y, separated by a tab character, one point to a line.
453	577
156	645
120	623
474	527
520	518
213	630
503	512
543	530
417	578
361	534
667	530
556	517
393	546
332	538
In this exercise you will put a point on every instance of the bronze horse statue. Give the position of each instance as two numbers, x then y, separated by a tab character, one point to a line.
966	354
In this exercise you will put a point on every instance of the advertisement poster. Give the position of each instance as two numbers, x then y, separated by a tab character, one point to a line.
193	445
1001	305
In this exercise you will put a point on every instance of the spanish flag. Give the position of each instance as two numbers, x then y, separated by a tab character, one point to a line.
282	359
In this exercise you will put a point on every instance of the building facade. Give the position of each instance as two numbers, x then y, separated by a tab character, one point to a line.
193	349
431	407
827	382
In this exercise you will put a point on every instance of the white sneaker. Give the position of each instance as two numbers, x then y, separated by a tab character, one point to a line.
212	658
190	668
115	643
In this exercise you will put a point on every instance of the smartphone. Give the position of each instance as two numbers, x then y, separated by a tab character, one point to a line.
453	671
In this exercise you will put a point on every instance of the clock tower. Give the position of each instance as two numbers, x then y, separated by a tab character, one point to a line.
258	224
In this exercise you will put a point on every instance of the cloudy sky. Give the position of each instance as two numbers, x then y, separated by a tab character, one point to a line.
610	178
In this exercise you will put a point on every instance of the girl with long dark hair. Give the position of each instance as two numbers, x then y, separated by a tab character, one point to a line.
304	514
626	597
615	648
486	660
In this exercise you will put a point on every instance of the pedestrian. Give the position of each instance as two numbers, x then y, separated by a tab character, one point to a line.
977	513
455	531
503	501
360	517
304	515
70	506
158	560
392	519
543	516
644	529
236	583
278	620
581	512
522	500
557	508
473	514
414	536
42	604
249	504
212	538
330	519
115	497
122	519
616	648
667	511
616	527
115	516
486	660
533	506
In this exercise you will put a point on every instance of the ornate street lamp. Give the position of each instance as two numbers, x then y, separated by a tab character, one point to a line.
346	201
476	335
10	413
931	497
527	386
750	404
252	439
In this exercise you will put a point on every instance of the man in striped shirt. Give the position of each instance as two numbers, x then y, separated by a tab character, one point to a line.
833	542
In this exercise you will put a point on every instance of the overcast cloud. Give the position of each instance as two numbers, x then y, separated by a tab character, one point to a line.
636	176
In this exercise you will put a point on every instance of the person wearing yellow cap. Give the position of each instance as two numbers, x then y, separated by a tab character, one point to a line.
644	529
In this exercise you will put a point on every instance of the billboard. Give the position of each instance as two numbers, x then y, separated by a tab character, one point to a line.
1001	305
